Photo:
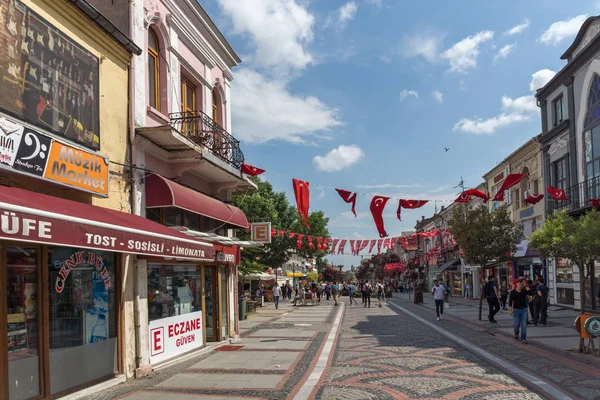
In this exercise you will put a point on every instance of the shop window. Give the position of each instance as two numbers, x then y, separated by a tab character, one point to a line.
191	220
173	290
565	296
22	315
82	317
557	110
153	70
564	272
153	214
173	216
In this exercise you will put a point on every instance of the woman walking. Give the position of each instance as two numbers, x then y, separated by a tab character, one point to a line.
518	310
503	295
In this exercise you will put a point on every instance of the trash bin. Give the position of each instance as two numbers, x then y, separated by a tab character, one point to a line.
242	307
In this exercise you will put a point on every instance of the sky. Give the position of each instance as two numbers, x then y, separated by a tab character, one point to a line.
365	95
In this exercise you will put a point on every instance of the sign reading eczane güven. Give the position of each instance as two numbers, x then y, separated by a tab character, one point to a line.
32	228
172	336
33	153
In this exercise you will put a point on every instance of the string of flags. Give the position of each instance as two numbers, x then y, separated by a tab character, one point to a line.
378	203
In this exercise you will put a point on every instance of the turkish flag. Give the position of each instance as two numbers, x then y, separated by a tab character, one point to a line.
320	244
465	196
250	170
363	245
352	247
386	244
334	245
299	240
302	193
379	243
348	197
310	243
510	181
534	198
292	235
326	242
557	194
341	246
372	245
377	205
282	233
409	204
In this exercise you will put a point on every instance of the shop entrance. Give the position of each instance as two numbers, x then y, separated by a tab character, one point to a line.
215	302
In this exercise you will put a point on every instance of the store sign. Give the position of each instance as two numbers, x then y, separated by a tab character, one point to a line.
33	153
261	232
172	336
225	257
80	169
82	259
31	228
48	78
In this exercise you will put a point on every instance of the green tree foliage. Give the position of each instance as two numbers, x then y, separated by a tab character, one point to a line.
484	236
578	240
312	276
349	276
248	267
266	205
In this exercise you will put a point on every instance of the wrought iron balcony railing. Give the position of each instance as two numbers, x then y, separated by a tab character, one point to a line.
579	197
205	132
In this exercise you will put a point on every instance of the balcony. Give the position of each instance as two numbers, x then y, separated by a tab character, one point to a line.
579	198
206	133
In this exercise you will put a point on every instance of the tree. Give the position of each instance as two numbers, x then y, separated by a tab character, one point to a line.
248	267
268	205
332	274
312	276
349	276
484	236
578	240
377	271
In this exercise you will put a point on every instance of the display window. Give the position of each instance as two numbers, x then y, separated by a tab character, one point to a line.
565	296
173	290
564	272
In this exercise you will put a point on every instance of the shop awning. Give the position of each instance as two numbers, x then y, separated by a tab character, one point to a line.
38	218
523	250
447	265
162	192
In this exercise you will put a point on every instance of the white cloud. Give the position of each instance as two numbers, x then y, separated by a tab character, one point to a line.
377	3
356	235
342	16
265	110
438	96
463	55
389	185
339	158
504	51
516	30
561	30
520	105
540	78
426	45
405	93
280	30
488	126
320	195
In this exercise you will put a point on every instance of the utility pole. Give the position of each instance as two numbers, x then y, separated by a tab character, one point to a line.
460	185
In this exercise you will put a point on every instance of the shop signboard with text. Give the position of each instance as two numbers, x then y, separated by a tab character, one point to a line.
173	336
32	153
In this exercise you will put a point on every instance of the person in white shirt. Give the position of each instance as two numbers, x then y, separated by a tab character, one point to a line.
276	294
438	295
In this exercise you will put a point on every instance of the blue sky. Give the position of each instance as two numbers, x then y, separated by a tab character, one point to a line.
364	95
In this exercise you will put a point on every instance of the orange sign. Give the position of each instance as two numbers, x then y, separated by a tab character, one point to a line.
78	168
261	232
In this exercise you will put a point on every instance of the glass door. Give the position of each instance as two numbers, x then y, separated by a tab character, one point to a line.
211	303
22	316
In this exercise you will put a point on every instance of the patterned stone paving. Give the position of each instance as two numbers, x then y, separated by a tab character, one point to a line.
382	355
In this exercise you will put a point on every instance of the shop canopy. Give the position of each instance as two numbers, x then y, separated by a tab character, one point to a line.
162	192
523	250
38	218
448	264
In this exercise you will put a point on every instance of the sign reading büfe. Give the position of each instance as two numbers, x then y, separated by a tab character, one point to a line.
172	336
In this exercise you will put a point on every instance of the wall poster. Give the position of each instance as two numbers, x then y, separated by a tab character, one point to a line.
46	78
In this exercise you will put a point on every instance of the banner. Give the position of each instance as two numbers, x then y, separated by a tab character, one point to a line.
172	336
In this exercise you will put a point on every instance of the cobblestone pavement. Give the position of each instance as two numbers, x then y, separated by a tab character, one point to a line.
381	354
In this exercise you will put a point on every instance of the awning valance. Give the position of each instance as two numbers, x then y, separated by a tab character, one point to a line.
447	265
162	192
34	217
523	250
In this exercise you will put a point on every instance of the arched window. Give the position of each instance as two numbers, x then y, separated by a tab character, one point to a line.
216	106
592	132
153	70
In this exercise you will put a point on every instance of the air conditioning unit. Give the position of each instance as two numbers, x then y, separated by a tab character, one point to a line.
526	194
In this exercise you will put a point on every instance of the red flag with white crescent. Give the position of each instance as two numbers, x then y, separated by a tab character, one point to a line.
341	246
372	245
251	170
334	245
348	197
377	206
379	243
352	247
299	240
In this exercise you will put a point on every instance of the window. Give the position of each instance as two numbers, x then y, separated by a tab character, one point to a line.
536	187
188	96
517	199
173	290
216	101
153	70
557	110
560	174
592	139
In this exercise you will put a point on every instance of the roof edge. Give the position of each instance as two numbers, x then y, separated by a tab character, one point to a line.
579	37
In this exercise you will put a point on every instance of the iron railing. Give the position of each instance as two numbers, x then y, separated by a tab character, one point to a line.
579	197
205	132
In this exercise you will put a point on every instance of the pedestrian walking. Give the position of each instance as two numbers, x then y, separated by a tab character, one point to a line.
276	294
335	290
503	295
518	310
328	290
438	295
541	303
289	292
380	289
351	292
367	294
468	292
490	291
531	285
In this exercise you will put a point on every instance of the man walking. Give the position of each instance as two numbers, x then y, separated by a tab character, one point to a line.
541	303
367	289
518	310
379	288
335	291
351	291
491	293
276	294
438	295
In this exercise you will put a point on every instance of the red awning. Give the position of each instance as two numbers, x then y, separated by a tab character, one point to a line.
33	217
161	192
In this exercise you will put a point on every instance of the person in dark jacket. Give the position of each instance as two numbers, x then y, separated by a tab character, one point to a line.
541	303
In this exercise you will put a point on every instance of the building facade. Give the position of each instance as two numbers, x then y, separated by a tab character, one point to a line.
67	238
571	148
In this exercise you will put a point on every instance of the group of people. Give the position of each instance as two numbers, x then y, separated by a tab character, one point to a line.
328	290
